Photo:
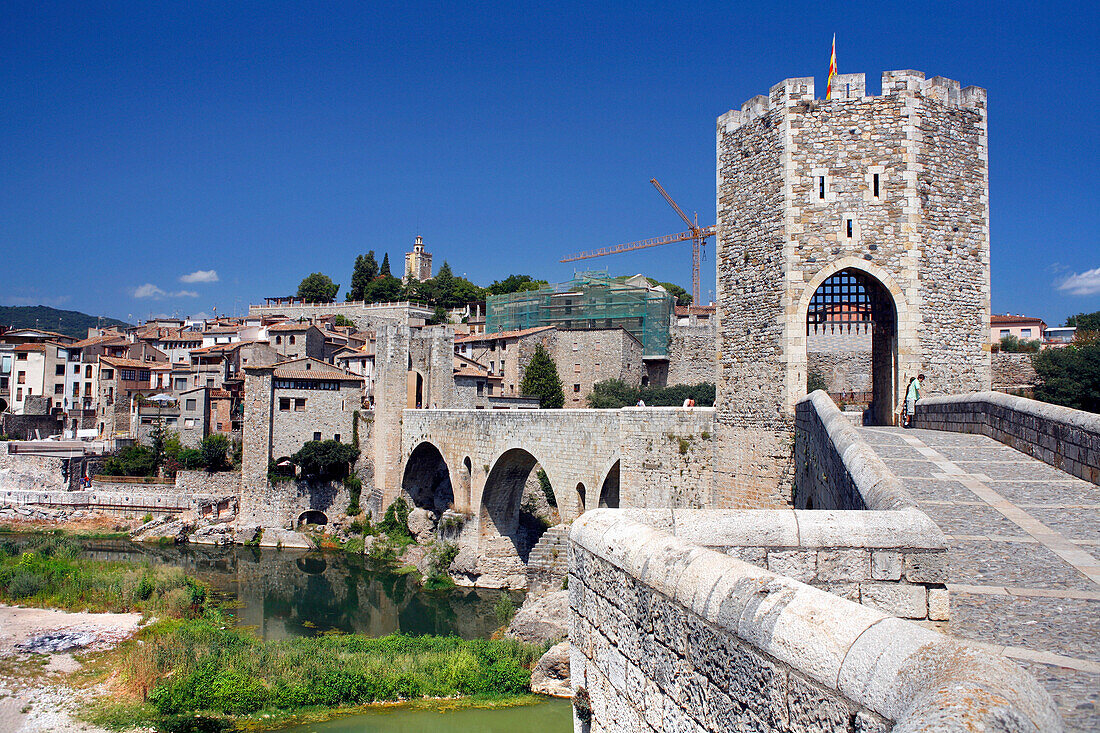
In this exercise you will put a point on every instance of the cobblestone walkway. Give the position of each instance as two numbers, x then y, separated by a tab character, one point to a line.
1025	538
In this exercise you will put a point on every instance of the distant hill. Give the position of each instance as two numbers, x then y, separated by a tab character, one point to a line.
73	323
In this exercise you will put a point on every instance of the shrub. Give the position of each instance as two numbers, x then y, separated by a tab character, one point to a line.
25	584
395	523
615	393
325	459
134	460
505	609
547	489
190	459
814	381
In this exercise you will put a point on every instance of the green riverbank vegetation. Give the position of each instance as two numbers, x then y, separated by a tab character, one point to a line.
191	669
178	672
45	571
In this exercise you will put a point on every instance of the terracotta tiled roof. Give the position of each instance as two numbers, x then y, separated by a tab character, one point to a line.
220	394
221	348
1006	319
121	363
31	347
317	375
473	337
96	340
699	310
222	329
289	327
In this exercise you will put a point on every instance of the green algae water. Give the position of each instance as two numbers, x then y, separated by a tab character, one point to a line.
552	716
284	593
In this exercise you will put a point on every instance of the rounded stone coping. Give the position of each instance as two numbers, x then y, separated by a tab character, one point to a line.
914	676
1089	421
808	528
877	484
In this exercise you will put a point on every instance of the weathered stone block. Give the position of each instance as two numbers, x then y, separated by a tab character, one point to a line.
796	564
897	599
886	565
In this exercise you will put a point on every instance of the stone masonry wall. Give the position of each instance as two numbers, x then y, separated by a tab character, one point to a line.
1065	438
835	468
668	458
692	352
328	412
895	561
584	357
793	171
366	316
1013	371
23	472
667	635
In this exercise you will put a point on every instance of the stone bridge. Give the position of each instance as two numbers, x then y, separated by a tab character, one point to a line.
477	462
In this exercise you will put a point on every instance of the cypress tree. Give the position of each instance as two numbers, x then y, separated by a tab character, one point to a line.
541	380
385	271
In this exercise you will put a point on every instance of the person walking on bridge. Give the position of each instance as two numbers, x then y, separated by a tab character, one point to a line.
911	397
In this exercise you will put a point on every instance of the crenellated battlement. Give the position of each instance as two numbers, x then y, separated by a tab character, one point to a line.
853	87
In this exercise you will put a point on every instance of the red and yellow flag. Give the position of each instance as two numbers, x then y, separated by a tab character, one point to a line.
832	71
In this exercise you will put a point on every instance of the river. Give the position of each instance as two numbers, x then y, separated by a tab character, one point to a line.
283	593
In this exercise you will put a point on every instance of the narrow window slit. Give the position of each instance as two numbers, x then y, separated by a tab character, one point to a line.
876	185
849	229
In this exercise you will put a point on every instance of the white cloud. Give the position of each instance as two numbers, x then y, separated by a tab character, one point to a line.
149	290
1085	283
201	276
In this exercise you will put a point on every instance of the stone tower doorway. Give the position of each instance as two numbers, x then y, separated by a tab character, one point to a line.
852	306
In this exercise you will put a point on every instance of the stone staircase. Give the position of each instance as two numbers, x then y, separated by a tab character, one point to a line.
548	563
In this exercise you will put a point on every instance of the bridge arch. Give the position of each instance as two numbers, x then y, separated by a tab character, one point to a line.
311	516
609	489
507	531
426	480
853	299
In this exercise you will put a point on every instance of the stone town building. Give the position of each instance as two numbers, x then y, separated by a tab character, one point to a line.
692	344
504	354
311	400
585	356
120	381
418	263
296	340
38	369
876	201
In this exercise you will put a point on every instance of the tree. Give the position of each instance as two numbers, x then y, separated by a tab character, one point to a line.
515	284
1069	376
615	393
444	286
384	289
465	292
215	450
317	288
342	321
440	316
385	271
134	460
682	296
325	459
1085	321
366	269
541	380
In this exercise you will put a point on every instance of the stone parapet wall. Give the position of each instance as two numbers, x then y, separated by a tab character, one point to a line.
191	483
96	499
668	457
1065	438
668	635
1013	371
835	468
895	561
30	472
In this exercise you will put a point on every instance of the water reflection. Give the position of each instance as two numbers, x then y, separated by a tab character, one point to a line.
292	593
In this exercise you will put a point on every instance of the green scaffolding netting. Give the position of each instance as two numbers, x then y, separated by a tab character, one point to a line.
589	300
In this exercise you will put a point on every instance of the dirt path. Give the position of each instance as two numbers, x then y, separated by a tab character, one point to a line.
32	695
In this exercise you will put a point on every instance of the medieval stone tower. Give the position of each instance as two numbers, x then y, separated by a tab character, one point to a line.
850	211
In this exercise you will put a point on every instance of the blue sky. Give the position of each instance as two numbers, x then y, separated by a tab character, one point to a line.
263	141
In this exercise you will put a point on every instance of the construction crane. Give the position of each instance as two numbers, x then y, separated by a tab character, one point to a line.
697	234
